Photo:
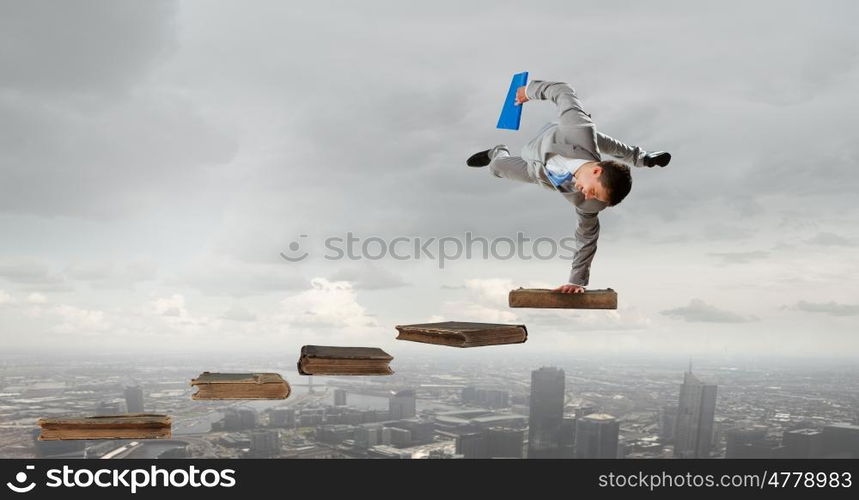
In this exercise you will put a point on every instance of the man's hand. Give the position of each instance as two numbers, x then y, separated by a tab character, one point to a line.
521	97
569	288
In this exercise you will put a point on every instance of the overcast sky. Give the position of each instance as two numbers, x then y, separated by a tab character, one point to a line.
157	157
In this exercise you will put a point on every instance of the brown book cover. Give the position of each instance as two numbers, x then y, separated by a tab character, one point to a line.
335	360
463	334
240	386
125	426
543	298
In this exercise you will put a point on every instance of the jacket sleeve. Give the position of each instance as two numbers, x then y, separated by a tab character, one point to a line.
587	233
569	107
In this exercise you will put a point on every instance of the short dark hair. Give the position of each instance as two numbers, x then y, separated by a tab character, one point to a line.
616	179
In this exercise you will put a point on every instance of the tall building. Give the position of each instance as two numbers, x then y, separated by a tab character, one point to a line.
334	433
802	443
311	416
667	423
840	441
597	436
282	417
693	435
236	419
422	432
546	413
265	443
402	405
61	448
400	437
567	437
502	442
108	408
622	447
134	399
339	397
368	435
748	442
472	445
469	394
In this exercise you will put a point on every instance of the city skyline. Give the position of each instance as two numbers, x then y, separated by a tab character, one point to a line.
773	411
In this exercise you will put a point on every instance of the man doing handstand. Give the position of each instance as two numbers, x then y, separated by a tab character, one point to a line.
565	157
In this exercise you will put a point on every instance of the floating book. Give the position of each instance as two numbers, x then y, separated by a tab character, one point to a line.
511	114
542	298
240	386
462	334
333	360
127	426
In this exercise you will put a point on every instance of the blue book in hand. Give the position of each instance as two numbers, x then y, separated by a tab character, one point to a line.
511	114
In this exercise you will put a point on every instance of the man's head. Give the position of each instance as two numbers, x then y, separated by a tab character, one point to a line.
607	181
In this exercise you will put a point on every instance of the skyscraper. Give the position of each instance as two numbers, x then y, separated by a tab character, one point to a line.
282	417
134	399
108	408
567	437
265	443
667	423
596	436
402	405
472	445
236	419
339	397
546	413
748	442
504	443
840	441
693	435
802	443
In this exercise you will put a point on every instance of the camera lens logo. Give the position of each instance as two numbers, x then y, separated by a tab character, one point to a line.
295	253
20	478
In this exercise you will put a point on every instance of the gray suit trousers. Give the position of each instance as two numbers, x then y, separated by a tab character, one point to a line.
528	168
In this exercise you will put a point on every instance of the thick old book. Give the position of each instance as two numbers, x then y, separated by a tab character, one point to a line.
333	360
240	386
463	334
542	298
126	426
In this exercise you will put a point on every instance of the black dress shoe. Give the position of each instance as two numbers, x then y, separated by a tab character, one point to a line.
660	158
480	159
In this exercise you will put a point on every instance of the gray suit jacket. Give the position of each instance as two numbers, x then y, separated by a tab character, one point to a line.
573	136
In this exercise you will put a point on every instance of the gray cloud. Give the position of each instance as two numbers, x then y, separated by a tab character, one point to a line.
726	232
37	274
741	257
29	271
699	311
832	308
830	239
85	47
369	278
83	132
112	275
238	313
237	279
132	155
